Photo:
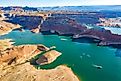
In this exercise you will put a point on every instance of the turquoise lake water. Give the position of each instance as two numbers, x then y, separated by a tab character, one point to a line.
79	56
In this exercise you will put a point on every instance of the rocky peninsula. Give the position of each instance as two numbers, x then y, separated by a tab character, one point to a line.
6	27
15	61
104	37
48	57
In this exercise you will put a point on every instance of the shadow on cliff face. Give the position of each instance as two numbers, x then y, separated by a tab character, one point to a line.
33	62
118	46
93	40
86	40
49	33
27	22
54	33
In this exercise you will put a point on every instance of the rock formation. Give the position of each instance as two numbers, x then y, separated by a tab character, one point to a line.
6	27
110	22
62	24
105	36
6	43
35	30
19	54
26	72
15	65
48	57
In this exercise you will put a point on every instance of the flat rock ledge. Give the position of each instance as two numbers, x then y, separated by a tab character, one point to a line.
26	72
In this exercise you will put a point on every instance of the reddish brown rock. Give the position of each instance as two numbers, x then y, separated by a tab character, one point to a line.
48	57
6	27
35	30
17	67
19	54
26	72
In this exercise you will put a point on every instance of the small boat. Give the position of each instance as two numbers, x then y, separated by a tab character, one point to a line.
97	66
63	39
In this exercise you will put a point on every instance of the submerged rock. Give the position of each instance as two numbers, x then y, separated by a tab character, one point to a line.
118	53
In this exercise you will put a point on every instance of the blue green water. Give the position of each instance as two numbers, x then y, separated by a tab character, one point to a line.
79	56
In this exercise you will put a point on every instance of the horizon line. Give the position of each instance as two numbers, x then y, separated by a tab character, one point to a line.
56	6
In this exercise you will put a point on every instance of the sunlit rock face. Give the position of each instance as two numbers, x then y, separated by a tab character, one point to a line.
26	72
14	62
6	27
19	54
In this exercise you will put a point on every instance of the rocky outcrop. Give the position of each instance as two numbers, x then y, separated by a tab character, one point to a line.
19	54
26	21
35	30
6	43
105	36
15	66
48	57
110	22
26	72
63	24
6	27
